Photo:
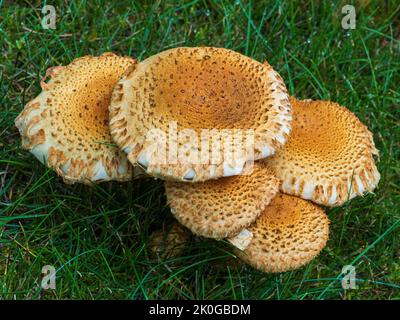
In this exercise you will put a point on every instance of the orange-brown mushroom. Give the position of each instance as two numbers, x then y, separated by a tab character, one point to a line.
198	89
289	233
329	156
221	208
66	125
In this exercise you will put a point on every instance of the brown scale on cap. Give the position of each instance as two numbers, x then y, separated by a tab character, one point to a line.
198	88
289	233
328	157
66	125
221	208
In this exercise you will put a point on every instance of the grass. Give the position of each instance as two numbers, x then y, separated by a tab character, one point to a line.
96	237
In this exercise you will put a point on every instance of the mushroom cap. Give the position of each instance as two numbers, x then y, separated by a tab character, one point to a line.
66	125
221	208
190	91
169	243
289	233
328	157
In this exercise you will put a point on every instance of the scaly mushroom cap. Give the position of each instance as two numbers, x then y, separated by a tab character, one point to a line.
188	90
169	243
221	208
66	125
289	233
328	157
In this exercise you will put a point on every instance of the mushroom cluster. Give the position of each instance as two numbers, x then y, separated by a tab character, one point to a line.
241	159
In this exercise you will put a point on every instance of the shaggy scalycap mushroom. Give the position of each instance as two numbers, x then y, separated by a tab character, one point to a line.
221	208
328	157
169	243
66	125
289	233
198	88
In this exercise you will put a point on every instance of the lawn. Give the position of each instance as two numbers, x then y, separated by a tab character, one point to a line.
96	237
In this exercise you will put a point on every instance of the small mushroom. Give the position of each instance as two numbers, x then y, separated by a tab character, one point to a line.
197	89
66	125
169	243
289	233
221	208
329	156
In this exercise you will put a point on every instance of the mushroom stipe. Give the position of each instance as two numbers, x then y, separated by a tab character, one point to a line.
91	120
